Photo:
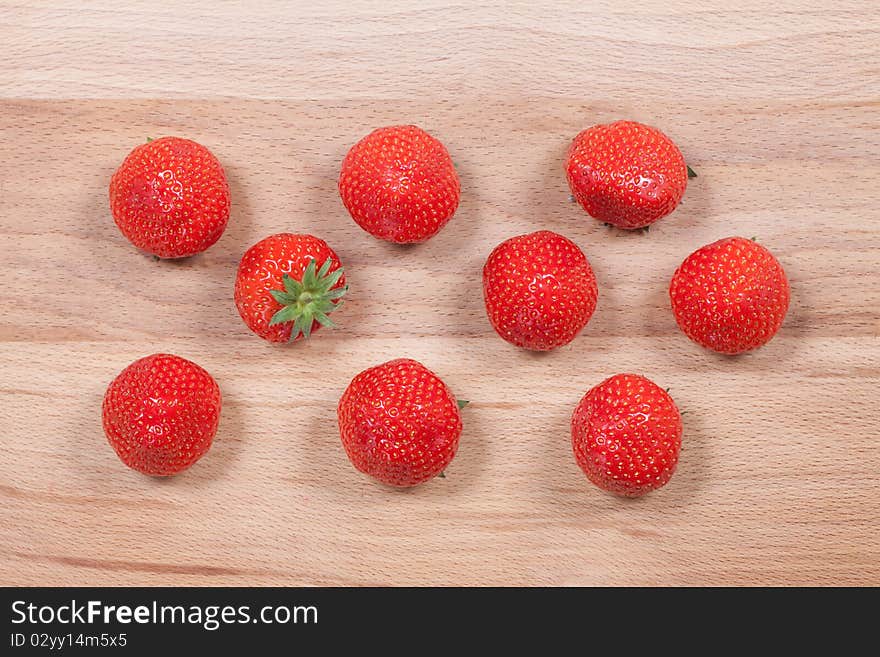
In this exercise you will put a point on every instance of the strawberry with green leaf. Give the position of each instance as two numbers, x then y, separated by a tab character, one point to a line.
287	286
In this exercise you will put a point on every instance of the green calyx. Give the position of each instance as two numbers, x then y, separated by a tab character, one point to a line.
310	300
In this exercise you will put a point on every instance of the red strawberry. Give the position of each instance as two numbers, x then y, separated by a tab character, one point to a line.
170	198
540	290
399	184
161	413
399	423
626	435
287	285
626	174
730	296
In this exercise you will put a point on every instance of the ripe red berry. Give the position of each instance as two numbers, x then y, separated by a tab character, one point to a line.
626	435
399	423
539	289
170	198
287	285
730	296
399	184
161	413
626	173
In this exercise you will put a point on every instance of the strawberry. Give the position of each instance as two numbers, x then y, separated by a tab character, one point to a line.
399	184
170	198
626	435
399	423
161	413
626	174
730	296
539	289
287	285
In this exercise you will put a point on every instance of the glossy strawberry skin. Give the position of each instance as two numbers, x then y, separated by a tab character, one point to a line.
730	296
161	413
170	198
261	270
626	435
626	174
539	289
399	184
399	423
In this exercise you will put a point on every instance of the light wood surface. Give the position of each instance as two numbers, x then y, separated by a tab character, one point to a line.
775	105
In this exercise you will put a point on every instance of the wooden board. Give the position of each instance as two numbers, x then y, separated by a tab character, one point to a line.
774	105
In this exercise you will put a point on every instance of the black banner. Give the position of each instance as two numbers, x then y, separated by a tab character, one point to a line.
118	620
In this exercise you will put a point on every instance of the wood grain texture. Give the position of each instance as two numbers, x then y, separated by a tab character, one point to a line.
776	108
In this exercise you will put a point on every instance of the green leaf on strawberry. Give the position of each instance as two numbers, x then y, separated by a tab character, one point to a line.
310	300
